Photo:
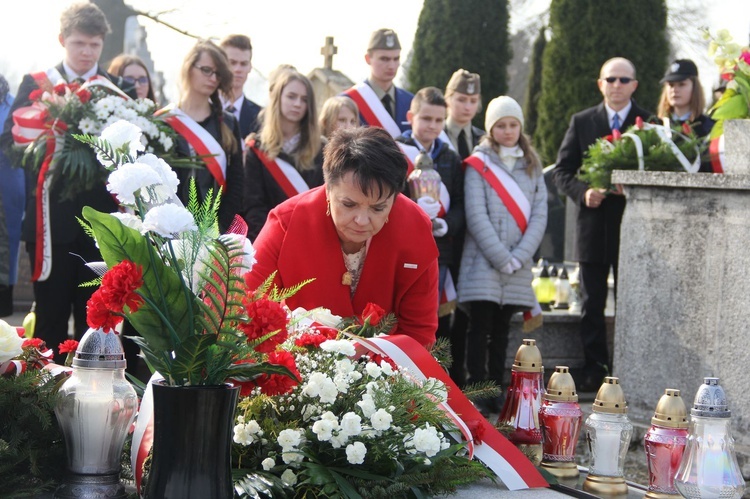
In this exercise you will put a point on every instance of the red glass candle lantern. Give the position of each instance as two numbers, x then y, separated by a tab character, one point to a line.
665	443
560	418
524	400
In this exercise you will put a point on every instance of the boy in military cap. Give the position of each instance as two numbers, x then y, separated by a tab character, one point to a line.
427	117
463	95
380	102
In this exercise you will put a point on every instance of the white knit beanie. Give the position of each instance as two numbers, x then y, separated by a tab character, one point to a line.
502	107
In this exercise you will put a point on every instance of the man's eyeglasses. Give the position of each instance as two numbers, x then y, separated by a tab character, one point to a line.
141	80
207	71
623	79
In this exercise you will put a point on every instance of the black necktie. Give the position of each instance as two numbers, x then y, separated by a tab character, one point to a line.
79	80
386	100
231	108
463	149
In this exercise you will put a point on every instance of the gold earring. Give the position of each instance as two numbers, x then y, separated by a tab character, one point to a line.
328	207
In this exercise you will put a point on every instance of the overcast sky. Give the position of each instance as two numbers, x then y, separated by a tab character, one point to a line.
282	31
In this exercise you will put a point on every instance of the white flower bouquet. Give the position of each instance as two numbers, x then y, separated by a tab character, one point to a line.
356	425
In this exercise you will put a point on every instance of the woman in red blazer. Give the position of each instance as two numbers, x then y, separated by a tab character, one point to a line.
357	236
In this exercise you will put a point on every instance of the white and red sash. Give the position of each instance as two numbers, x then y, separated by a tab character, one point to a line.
284	173
505	186
371	109
204	143
518	205
411	153
510	465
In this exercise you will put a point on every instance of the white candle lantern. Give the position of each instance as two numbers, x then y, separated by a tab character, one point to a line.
95	410
709	465
608	433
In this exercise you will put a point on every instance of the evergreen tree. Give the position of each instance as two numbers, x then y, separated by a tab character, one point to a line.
534	89
468	34
585	33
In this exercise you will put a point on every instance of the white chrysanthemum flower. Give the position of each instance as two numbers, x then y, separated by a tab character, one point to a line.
339	440
166	188
129	179
165	141
129	220
168	220
87	125
268	463
288	477
344	347
355	453
120	134
367	405
293	456
373	370
289	439
381	420
351	424
321	386
10	342
387	368
426	440
323	428
241	436
253	428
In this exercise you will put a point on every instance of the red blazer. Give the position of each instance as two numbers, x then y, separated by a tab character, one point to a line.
400	272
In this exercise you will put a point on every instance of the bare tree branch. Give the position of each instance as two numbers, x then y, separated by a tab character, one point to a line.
156	17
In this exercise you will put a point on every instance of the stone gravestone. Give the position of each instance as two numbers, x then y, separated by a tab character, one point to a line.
326	81
682	301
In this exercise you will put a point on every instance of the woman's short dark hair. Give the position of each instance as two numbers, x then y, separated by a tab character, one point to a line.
371	154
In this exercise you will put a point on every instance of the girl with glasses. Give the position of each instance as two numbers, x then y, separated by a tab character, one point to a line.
134	73
285	158
206	130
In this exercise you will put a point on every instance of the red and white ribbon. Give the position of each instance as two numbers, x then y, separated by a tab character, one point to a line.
500	455
371	109
285	174
716	151
204	143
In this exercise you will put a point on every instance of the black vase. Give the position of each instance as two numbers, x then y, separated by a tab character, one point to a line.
192	442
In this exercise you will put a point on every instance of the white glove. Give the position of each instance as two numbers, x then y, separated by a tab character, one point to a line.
516	263
508	269
429	206
439	227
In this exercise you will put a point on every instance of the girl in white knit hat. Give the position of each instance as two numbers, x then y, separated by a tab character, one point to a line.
506	214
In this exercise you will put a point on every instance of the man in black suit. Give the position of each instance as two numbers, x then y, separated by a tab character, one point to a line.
239	52
599	212
82	30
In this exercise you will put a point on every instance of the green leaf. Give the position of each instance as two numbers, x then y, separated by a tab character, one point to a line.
734	107
190	358
250	371
162	287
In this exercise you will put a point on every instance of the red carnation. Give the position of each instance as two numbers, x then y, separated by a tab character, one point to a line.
35	95
74	86
477	429
119	285
265	316
377	359
37	343
686	128
616	135
372	312
727	76
639	123
98	313
277	384
83	95
310	340
67	346
59	89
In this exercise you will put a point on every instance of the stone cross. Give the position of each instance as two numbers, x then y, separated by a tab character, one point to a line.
328	51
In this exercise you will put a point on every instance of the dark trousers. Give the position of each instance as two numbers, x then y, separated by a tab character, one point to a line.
61	292
488	340
594	291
